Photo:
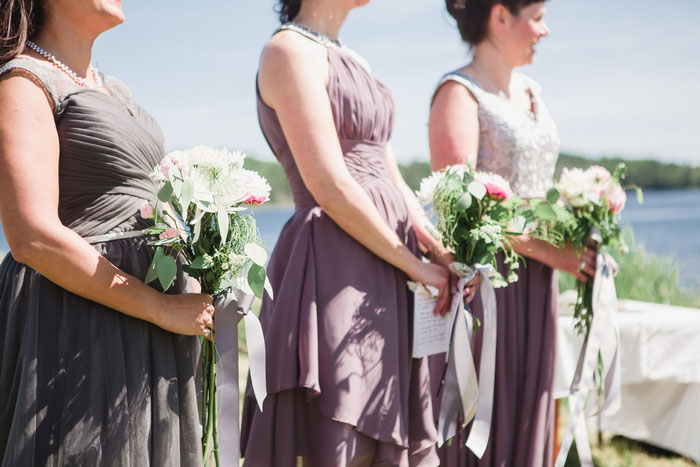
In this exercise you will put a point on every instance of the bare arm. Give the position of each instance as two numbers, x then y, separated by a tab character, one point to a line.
29	154
292	80
453	127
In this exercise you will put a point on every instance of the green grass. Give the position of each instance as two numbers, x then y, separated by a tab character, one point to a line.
646	277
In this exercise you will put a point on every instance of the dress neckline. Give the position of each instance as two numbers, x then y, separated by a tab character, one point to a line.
532	113
320	38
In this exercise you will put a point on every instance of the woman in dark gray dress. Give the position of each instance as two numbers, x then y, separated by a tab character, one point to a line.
490	117
96	368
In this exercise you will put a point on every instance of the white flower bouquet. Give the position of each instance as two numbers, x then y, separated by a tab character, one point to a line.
204	193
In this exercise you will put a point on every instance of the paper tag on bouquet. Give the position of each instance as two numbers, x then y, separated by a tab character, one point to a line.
430	331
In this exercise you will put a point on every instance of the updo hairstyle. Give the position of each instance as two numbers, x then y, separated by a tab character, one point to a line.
288	9
472	16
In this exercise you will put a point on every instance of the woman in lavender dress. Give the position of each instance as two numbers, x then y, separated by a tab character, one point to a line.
343	388
488	116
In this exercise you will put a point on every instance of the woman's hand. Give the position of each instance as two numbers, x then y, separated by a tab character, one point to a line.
471	288
187	314
437	276
580	264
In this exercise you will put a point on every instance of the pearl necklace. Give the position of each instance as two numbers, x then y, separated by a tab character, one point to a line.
311	34
61	66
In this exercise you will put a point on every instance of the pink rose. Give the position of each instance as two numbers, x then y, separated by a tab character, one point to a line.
496	192
169	233
600	174
617	199
147	211
253	199
496	186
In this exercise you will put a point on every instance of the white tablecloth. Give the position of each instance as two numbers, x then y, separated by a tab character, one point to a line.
660	360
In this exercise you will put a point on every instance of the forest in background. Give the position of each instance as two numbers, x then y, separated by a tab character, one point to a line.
647	174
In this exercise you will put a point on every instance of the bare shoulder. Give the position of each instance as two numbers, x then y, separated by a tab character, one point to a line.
21	93
453	95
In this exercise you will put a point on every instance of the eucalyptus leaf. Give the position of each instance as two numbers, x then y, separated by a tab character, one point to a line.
197	263
165	192
186	194
464	202
197	224
167	270
152	273
553	195
256	280
477	189
546	212
467	178
640	195
256	253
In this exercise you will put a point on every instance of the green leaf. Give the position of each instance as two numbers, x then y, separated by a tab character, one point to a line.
165	192
222	218
268	289
256	253
553	195
545	211
167	270
256	280
467	178
640	195
152	273
186	194
197	263
464	202
477	189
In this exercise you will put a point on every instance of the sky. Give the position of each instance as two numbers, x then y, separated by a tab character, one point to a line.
621	77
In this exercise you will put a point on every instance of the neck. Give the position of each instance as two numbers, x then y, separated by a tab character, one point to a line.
325	17
69	47
492	66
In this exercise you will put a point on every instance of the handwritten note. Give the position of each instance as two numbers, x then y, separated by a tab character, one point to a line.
430	332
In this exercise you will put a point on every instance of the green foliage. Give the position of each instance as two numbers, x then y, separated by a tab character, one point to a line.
644	276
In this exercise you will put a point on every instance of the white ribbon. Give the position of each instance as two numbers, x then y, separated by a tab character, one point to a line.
603	339
461	391
230	308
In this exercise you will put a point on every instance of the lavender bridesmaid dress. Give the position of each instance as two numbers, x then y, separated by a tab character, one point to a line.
343	388
80	383
523	149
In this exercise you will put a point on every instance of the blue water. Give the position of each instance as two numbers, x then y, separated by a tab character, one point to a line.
668	224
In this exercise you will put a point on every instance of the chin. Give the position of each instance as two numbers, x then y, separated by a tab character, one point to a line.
359	3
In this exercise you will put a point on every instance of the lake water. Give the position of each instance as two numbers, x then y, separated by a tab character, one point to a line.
668	224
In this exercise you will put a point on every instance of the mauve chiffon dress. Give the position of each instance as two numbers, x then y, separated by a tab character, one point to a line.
343	387
523	148
82	384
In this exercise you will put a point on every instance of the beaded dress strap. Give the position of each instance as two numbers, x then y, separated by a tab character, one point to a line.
465	80
42	74
311	34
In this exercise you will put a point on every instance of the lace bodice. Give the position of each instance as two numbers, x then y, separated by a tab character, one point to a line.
521	148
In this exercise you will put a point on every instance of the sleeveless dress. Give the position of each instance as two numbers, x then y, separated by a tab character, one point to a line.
82	384
523	149
343	388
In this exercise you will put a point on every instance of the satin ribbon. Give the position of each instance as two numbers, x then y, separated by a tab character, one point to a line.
603	339
230	308
461	391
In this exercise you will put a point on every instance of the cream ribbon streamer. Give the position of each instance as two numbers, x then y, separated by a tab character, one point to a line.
603	339
230	309
461	391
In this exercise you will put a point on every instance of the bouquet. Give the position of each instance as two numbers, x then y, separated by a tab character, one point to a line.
476	214
583	210
204	193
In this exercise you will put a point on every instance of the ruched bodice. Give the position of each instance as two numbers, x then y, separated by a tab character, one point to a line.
363	112
108	148
522	148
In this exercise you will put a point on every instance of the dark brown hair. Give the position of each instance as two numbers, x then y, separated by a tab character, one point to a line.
288	9
472	16
19	21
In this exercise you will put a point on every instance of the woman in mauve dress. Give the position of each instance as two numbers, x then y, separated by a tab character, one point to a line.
342	386
96	368
486	115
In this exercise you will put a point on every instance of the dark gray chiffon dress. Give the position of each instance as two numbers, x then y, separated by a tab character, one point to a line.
343	389
82	384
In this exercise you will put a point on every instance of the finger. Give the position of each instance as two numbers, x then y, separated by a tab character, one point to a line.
589	270
580	276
